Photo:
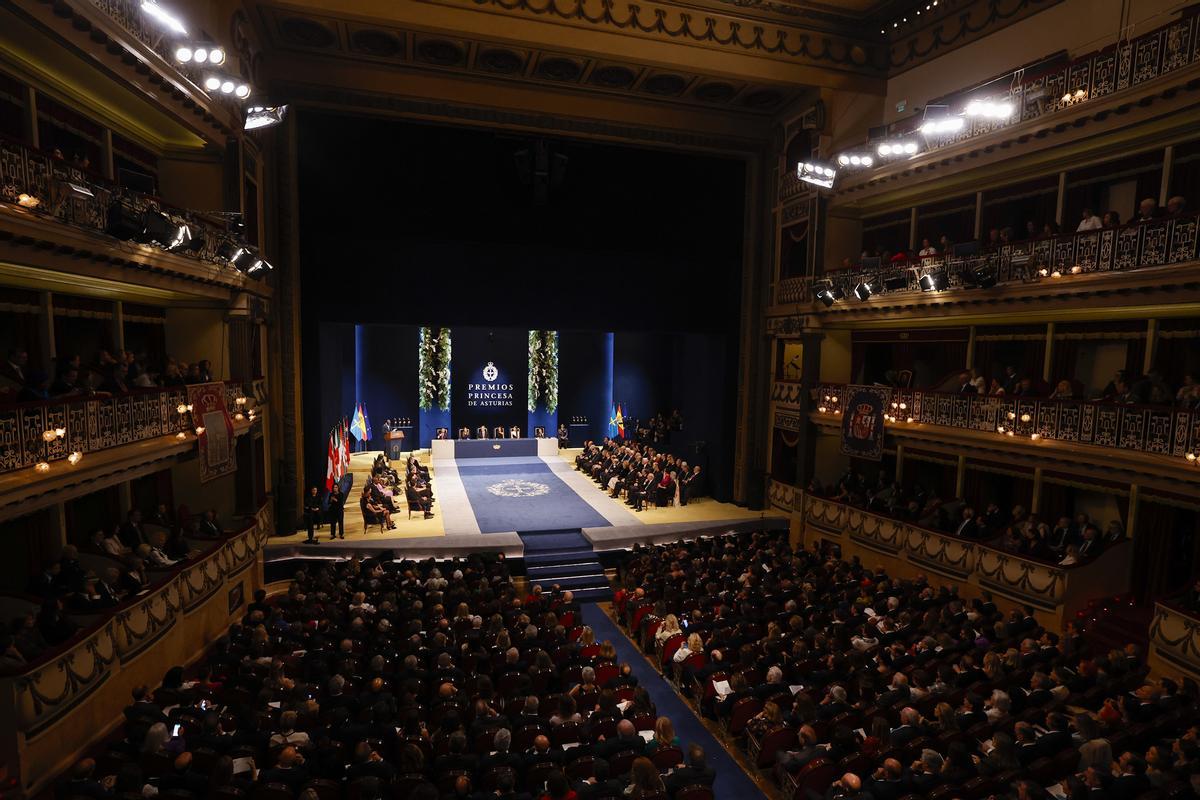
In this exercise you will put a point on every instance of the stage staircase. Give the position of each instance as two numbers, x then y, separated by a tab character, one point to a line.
565	557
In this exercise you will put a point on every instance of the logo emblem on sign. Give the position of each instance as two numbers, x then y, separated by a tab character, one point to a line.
490	373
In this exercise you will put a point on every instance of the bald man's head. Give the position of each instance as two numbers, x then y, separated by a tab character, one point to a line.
541	743
851	782
626	729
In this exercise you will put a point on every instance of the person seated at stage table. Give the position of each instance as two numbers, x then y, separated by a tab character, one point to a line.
539	432
372	511
443	433
481	432
464	432
514	432
498	432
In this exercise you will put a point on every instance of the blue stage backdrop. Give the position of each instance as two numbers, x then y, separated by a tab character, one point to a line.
490	370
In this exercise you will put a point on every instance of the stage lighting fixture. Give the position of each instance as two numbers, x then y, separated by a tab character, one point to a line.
125	222
854	160
78	189
827	296
816	174
945	125
896	283
865	289
935	281
264	116
988	109
162	230
244	259
227	251
212	83
227	87
897	149
984	277
242	91
164	17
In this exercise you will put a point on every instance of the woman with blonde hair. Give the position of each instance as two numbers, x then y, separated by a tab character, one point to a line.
768	719
664	735
694	644
669	627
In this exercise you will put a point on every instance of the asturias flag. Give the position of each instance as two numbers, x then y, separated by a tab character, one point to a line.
358	426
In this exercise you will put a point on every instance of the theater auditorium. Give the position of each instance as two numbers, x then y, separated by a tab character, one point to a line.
600	400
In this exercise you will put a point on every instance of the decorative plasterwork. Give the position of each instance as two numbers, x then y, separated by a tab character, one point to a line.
953	29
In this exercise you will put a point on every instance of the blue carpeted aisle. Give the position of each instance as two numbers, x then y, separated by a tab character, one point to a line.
523	494
732	782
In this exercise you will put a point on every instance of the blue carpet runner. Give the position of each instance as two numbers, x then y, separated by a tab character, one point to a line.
514	494
732	782
565	557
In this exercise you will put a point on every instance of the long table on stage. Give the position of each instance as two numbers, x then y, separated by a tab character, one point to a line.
492	448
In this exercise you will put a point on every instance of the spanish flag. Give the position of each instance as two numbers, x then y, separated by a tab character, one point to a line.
620	422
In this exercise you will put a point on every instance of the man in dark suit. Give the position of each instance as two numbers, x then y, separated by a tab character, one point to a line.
1131	781
908	729
183	778
131	533
1028	750
369	764
335	510
542	753
602	784
289	770
481	432
502	756
888	781
627	738
1057	737
312	514
695	773
83	783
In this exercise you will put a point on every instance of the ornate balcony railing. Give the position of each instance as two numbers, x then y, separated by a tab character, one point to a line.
72	679
1156	243
1175	637
1119	66
66	193
1157	430
93	424
1055	589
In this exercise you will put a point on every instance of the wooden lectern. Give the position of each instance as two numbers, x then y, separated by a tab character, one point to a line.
394	444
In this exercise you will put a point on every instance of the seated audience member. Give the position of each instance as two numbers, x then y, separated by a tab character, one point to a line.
1089	221
1111	219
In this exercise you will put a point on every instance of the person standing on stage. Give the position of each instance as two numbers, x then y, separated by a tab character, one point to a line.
337	508
312	514
564	436
481	433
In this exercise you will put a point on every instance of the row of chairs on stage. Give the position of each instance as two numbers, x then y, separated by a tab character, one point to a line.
498	432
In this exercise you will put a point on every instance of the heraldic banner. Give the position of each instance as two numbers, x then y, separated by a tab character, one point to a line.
210	410
862	421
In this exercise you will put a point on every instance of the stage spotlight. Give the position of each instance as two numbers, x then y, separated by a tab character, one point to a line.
897	149
212	83
935	281
865	289
843	160
264	116
228	250
216	56
79	189
945	125
816	174
988	109
827	296
244	259
164	17
227	86
184	54
242	91
124	222
984	277
161	229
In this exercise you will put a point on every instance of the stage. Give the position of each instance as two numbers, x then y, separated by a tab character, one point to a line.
485	498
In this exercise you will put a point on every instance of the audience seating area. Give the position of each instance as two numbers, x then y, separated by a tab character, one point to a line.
396	679
838	680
